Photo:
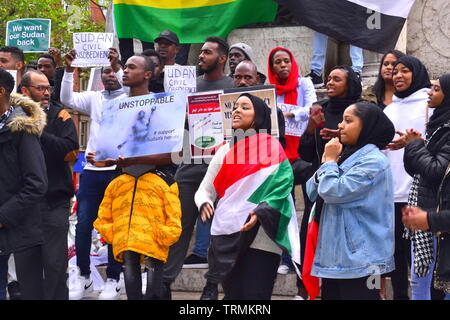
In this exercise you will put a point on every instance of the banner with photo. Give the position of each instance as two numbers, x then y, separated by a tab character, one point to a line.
205	124
228	100
142	125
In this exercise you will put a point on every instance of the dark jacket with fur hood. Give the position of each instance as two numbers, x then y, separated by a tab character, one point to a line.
23	176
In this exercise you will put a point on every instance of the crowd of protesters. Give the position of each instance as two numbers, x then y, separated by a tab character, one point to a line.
374	176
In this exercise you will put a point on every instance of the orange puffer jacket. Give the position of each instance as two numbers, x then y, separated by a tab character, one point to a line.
140	214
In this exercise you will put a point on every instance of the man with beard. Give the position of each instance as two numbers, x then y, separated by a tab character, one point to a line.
60	146
211	66
212	60
167	45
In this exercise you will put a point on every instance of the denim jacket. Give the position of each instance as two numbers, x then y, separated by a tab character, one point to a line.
356	232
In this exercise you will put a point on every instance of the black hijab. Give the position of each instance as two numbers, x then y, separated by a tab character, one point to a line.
376	129
335	106
441	113
420	78
262	113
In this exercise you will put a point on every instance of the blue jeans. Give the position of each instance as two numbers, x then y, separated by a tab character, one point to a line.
3	276
89	196
421	286
320	50
202	235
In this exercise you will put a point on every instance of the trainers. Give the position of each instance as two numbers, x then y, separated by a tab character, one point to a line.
195	261
111	291
210	292
316	79
283	269
14	291
80	287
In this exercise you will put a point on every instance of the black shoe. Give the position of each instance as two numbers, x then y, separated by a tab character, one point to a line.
195	261
210	292
166	293
316	80
14	291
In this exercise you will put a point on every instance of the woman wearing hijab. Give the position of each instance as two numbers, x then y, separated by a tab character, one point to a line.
356	235
343	89
408	110
251	177
291	89
427	160
384	86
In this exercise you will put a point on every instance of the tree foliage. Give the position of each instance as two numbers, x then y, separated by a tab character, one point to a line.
67	16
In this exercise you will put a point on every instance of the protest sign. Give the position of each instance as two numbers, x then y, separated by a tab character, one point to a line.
293	127
92	49
142	125
14	74
180	78
205	124
95	80
228	99
30	35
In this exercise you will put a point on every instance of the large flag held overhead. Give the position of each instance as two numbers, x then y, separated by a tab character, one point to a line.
370	24
191	20
253	180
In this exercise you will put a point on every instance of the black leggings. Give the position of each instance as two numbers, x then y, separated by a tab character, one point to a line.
133	279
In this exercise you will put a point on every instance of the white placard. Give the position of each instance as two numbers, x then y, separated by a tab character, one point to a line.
92	49
180	78
292	126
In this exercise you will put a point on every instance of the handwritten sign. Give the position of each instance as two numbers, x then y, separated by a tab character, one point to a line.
294	127
142	125
205	124
92	49
30	35
180	78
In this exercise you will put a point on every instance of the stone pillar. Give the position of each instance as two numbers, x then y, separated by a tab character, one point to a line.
428	35
262	40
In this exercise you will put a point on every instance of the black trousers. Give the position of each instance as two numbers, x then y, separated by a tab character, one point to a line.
348	289
133	279
252	277
402	258
178	251
30	273
54	250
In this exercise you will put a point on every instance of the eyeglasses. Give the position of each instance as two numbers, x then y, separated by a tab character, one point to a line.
43	88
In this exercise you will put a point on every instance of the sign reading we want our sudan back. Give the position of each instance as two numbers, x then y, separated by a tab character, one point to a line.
30	35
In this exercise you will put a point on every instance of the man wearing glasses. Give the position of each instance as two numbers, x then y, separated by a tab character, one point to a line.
60	147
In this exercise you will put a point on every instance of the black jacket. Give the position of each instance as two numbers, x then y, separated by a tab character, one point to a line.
60	146
440	222
23	177
430	162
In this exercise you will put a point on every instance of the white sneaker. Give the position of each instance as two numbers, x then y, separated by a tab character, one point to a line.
283	269
111	291
298	298
144	283
80	287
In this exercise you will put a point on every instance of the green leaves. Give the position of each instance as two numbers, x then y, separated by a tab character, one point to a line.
67	17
